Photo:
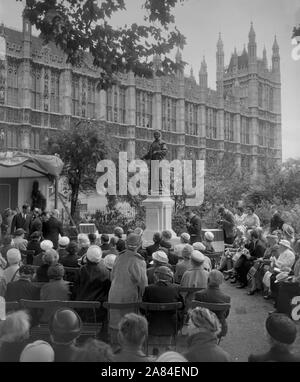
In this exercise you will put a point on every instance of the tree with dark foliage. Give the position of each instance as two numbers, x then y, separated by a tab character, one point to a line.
80	27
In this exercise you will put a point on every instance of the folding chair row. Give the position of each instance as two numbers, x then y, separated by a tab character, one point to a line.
42	329
146	307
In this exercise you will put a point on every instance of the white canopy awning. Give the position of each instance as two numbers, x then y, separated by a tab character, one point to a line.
22	165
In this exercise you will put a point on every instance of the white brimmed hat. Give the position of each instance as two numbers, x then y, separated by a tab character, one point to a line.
198	257
94	254
109	261
160	256
285	243
209	236
46	244
64	241
198	246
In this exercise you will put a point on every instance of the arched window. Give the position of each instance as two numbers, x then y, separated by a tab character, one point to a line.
144	108
54	99
271	99
12	84
260	95
116	104
75	95
36	91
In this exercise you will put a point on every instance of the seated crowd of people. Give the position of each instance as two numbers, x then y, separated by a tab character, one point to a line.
121	269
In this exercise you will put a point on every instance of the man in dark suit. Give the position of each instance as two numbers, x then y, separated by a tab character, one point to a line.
154	247
23	288
22	220
52	228
194	227
227	222
163	291
276	221
36	222
214	295
256	250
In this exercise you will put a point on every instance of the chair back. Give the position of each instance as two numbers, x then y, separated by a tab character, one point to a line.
214	307
150	309
161	307
189	289
88	329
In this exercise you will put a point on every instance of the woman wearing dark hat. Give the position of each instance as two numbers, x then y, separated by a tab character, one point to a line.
71	258
163	290
56	289
34	245
281	334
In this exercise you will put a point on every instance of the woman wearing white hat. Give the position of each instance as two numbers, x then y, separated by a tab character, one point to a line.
195	277
285	261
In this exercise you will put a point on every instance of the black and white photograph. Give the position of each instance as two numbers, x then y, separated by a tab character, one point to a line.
149	184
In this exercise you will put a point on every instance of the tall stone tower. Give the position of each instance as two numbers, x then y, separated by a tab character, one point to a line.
220	96
277	98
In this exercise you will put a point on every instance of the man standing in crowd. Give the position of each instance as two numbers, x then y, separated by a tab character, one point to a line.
36	222
22	220
194	227
276	221
227	222
129	279
52	228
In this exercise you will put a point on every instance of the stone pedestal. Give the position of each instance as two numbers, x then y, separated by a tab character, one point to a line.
158	215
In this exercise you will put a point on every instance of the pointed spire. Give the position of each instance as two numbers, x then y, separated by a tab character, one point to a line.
244	49
275	45
192	73
178	56
265	60
220	42
203	68
251	33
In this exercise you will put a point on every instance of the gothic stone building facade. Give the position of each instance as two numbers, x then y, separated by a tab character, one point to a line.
241	119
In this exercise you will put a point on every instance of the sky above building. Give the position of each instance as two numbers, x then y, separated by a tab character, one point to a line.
202	20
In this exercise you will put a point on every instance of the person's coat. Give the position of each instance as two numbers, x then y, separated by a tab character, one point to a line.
181	267
93	283
195	277
20	222
129	279
22	289
275	354
54	290
276	222
35	225
51	229
163	323
213	294
228	223
202	347
194	229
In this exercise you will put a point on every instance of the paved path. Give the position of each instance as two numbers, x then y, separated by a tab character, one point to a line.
246	325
